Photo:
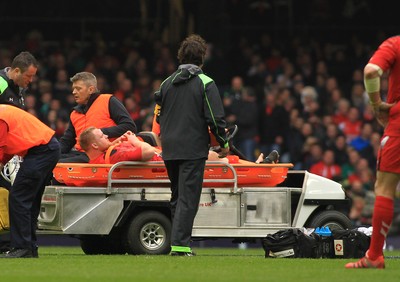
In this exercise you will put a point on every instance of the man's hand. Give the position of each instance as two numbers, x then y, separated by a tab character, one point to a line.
132	138
381	112
122	138
223	153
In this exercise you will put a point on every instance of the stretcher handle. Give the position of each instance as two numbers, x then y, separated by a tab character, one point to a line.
111	181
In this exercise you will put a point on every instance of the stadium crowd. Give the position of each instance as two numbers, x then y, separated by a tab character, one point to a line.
304	98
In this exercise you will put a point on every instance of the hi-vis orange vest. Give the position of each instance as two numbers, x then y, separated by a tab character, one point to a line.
98	116
25	131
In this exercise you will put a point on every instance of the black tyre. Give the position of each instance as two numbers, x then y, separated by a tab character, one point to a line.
94	245
102	245
332	219
114	242
148	233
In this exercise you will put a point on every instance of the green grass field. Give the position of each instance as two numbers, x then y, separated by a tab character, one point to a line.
228	264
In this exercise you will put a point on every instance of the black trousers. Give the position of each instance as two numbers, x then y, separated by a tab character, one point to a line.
4	183
186	178
26	193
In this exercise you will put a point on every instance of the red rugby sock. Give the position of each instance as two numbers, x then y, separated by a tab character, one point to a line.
381	221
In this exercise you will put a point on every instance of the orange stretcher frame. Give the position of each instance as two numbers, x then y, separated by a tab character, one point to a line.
154	174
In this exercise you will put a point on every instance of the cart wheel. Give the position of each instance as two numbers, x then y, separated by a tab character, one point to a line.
148	233
332	219
101	245
94	245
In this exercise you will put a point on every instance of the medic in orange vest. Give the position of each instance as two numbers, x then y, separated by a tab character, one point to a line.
24	135
103	111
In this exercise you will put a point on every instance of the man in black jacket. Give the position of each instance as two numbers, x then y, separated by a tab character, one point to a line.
15	79
189	104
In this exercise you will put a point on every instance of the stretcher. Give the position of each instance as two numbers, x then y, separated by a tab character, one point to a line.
216	174
238	171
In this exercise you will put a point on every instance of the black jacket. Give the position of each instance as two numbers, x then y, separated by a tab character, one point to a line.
10	93
190	102
118	114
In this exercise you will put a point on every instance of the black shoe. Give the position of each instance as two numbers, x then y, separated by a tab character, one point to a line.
272	158
5	248
35	252
18	253
183	254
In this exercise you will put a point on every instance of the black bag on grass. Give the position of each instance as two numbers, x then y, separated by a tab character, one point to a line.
290	243
349	243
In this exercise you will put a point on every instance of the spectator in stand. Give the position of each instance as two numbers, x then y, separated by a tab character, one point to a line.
309	100
304	64
44	86
375	144
284	80
102	84
312	152
356	194
351	127
55	105
143	93
244	113
274	123
147	124
362	143
368	208
257	71
44	108
163	63
133	109
234	93
339	65
327	166
297	88
332	132
362	167
332	102
129	64
342	110
56	62
124	90
323	97
331	85
31	105
62	86
367	178
341	150
296	138
57	123
359	97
